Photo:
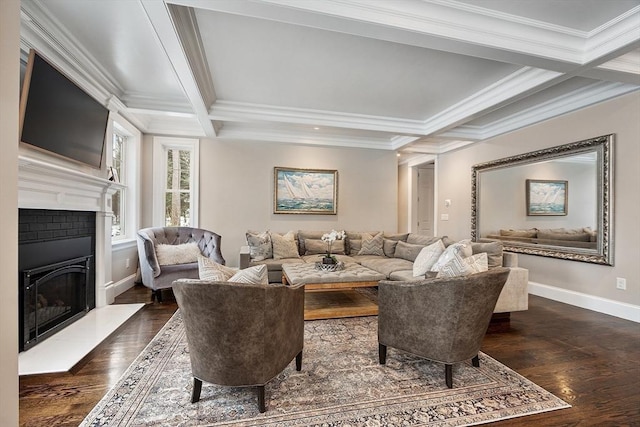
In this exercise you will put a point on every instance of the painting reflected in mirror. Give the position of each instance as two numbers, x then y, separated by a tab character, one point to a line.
524	201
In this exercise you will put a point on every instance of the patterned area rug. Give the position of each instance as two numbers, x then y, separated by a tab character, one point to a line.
341	384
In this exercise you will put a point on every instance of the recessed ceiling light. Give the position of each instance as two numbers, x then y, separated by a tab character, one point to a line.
316	128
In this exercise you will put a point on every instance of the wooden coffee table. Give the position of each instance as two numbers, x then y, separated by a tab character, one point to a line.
333	294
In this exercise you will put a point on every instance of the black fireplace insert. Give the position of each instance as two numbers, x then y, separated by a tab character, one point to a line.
54	296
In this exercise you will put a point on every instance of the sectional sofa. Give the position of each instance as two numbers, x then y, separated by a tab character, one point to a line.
584	237
394	257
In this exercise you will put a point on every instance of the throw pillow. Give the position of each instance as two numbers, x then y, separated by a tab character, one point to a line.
493	250
462	249
256	275
464	266
354	246
208	269
389	247
407	251
259	245
177	254
421	239
317	246
427	257
372	245
284	246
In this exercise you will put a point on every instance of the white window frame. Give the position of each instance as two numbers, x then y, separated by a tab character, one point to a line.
131	178
161	145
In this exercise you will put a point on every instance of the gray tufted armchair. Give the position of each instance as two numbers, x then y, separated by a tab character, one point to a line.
443	320
157	277
240	334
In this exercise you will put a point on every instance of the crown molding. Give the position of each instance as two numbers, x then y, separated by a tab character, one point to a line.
419	160
282	136
572	101
177	128
456	21
402	140
627	63
241	111
141	101
525	81
613	36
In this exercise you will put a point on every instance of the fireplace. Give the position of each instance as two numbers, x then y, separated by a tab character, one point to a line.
56	259
53	296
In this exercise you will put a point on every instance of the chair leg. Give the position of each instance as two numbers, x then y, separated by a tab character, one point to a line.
261	406
475	361
197	388
156	295
448	375
382	353
299	361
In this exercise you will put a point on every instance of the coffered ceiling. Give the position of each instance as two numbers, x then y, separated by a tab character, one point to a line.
417	76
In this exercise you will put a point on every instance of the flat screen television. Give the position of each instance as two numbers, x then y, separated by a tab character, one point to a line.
57	116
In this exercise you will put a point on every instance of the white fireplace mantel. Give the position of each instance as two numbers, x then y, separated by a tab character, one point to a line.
44	185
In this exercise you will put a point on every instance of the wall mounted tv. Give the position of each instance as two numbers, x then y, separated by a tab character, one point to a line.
57	116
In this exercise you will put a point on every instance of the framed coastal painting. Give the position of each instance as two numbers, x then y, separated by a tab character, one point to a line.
547	197
305	191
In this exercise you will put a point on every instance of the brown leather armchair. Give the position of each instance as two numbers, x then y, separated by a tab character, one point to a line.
443	320
157	277
240	334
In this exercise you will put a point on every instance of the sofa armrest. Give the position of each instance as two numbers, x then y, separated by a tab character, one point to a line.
147	255
509	259
515	293
245	257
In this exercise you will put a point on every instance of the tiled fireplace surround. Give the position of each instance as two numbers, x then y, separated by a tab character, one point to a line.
46	185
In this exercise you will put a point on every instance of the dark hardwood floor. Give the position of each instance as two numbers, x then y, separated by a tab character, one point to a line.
588	359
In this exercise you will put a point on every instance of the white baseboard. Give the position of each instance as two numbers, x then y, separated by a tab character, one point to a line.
590	302
124	284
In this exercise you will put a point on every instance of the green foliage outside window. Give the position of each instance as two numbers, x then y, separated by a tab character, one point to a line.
178	195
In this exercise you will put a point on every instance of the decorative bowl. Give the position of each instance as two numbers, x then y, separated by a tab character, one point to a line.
329	267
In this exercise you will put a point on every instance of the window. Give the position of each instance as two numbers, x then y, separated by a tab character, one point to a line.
125	156
175	182
118	199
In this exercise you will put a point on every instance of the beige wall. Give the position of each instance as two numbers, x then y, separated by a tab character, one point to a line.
9	90
620	116
236	189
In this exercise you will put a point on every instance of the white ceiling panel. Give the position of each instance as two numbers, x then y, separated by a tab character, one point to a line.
270	63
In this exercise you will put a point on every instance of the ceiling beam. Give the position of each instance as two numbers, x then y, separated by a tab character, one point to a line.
165	29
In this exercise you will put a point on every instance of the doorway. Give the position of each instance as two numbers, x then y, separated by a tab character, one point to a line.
425	199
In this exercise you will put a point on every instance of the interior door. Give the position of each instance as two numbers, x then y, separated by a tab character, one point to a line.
425	200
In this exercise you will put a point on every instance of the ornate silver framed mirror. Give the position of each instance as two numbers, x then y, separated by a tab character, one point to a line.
568	214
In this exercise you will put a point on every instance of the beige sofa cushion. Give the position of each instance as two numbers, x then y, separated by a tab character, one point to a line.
407	251
317	246
494	252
